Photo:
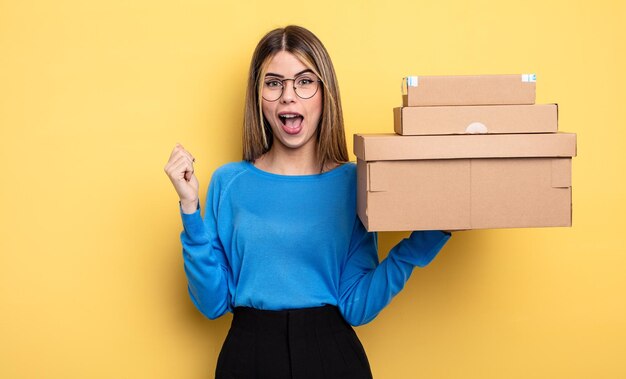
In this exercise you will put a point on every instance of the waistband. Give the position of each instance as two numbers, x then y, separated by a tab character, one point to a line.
291	321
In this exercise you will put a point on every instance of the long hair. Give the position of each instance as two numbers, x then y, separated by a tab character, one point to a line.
257	133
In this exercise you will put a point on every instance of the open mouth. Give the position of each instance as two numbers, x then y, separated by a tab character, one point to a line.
291	119
292	122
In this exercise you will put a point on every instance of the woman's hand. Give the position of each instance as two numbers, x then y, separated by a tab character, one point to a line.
179	169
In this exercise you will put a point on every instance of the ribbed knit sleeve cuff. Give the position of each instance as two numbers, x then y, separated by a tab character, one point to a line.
193	224
423	246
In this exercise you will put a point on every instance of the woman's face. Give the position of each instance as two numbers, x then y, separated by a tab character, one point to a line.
294	120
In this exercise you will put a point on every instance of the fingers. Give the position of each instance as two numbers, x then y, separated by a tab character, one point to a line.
180	150
188	175
180	171
180	168
185	152
178	155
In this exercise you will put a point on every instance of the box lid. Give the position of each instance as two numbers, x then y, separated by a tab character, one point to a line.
373	147
468	90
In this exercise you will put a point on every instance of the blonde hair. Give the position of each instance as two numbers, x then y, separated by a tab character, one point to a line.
257	133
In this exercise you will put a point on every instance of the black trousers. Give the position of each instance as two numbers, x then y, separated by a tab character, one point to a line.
295	344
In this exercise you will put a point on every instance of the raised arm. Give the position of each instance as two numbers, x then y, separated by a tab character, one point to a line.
205	263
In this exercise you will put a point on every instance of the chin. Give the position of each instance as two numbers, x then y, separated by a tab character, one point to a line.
295	143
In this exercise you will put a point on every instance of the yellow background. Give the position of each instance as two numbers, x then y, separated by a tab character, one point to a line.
94	95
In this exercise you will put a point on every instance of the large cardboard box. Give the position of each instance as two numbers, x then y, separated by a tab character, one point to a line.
485	119
464	181
468	90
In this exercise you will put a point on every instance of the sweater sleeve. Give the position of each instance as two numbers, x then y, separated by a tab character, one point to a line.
366	286
205	262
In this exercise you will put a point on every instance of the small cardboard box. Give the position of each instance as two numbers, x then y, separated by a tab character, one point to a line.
468	90
483	119
464	181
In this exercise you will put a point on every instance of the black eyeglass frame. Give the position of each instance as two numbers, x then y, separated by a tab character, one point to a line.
295	90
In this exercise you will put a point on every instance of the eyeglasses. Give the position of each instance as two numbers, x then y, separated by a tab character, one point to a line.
305	86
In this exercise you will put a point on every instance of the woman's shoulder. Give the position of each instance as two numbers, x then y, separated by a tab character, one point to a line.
225	173
341	171
351	166
347	167
230	168
340	165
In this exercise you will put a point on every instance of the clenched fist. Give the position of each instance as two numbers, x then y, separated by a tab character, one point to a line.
179	169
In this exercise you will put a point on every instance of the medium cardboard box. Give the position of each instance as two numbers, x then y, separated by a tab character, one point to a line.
482	119
464	181
468	90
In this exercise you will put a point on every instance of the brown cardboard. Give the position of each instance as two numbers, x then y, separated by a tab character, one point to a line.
374	147
458	191
485	119
468	90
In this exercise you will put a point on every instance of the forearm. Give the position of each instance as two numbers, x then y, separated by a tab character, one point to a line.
374	290
205	267
207	280
369	291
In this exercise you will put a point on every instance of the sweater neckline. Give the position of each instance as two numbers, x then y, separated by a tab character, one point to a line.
268	174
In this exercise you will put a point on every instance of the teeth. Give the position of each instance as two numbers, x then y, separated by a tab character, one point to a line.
289	115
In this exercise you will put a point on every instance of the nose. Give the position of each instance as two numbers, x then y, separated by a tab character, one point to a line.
289	93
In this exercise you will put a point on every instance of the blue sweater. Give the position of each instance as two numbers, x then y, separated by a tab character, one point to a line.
277	242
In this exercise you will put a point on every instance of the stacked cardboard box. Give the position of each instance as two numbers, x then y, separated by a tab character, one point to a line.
470	152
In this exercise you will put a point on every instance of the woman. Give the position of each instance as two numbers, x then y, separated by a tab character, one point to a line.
280	244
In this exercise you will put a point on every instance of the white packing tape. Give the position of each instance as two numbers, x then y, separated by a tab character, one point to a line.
476	128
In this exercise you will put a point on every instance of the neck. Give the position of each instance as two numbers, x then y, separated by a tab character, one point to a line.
285	161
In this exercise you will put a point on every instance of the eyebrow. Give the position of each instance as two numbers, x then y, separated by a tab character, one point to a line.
280	76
